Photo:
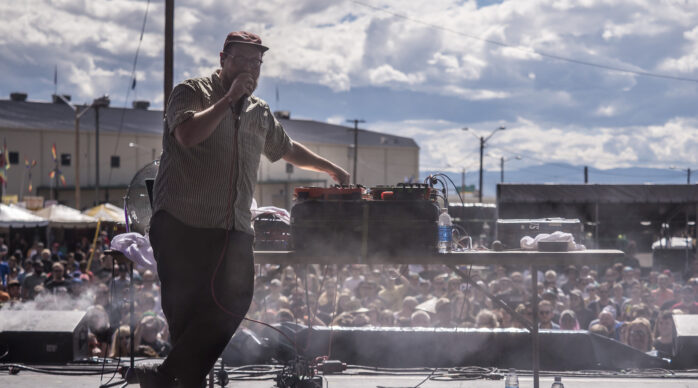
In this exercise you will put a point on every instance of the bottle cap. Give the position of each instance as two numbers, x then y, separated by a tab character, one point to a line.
558	378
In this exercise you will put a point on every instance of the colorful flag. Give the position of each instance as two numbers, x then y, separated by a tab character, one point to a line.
52	174
29	172
62	178
53	152
4	163
6	155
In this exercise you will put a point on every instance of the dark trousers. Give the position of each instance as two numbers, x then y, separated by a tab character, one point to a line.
199	328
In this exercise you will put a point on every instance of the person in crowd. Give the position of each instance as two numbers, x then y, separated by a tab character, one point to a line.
604	299
57	279
688	302
394	290
635	299
27	268
568	320
664	334
486	319
545	316
443	316
420	319
424	292
13	291
664	292
120	344
607	318
147	338
409	303
572	280
367	293
271	301
652	280
638	334
524	310
599	329
576	304
356	277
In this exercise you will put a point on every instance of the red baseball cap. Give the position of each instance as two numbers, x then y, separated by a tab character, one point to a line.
244	37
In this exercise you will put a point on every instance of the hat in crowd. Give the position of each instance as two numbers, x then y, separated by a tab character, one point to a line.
549	292
576	292
3	248
611	310
276	282
244	37
628	269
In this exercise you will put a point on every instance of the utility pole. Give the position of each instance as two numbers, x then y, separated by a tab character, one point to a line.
356	145
78	115
96	155
501	165
462	180
483	140
101	102
586	174
482	150
688	177
169	50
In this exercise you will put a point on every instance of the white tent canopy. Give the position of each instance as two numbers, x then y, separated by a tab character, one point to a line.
12	216
60	216
106	212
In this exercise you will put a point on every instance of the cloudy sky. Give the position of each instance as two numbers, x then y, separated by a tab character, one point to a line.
418	68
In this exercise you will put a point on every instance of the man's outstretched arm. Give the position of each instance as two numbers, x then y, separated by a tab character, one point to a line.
306	159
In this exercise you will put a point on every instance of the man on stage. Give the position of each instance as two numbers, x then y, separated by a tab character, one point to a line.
216	131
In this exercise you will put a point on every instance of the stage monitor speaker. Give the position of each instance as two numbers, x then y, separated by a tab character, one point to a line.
444	348
43	336
685	341
246	348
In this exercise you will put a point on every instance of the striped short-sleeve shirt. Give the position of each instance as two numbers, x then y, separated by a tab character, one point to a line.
211	184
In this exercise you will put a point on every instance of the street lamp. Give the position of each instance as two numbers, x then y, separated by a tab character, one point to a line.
483	140
688	173
501	164
101	102
78	115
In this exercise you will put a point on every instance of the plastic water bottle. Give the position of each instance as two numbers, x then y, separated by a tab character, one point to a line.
558	382
445	232
512	380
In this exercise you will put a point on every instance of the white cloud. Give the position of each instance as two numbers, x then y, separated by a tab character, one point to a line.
571	110
606	110
445	144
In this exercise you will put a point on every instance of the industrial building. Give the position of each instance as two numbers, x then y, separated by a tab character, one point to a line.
130	138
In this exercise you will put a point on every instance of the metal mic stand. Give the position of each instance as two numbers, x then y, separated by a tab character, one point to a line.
130	374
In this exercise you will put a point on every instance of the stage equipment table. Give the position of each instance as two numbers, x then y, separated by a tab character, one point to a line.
534	259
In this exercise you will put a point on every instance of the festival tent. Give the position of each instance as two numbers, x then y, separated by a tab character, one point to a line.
106	212
60	216
12	216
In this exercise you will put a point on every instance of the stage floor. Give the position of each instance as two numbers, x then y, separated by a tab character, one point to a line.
26	379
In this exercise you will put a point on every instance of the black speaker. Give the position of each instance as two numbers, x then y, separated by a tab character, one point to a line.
246	348
445	348
685	341
43	336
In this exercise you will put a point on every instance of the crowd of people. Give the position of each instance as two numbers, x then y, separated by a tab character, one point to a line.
620	301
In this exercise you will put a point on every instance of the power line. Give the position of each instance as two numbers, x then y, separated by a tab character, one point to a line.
131	86
526	49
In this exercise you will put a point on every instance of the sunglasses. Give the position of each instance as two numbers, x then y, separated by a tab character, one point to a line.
544	312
